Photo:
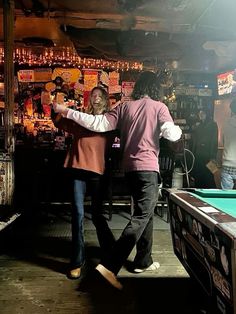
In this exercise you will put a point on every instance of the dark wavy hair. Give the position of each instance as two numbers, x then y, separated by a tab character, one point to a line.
147	84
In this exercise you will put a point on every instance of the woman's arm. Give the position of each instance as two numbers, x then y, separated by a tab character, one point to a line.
97	123
63	123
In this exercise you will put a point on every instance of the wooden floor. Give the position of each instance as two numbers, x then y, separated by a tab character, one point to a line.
33	261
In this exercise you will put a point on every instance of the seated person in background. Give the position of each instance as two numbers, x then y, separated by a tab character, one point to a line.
228	173
86	160
204	148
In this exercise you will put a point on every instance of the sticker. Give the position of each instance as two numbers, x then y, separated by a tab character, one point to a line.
179	214
224	260
209	209
221	283
195	227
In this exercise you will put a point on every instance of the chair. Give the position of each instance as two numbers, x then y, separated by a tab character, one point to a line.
118	190
166	167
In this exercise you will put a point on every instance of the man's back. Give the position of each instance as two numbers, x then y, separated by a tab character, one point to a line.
139	124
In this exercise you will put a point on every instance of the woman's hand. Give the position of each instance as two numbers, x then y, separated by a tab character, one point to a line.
62	109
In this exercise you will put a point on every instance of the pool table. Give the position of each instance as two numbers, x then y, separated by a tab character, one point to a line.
203	230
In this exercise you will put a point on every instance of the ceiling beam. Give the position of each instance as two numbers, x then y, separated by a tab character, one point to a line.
111	21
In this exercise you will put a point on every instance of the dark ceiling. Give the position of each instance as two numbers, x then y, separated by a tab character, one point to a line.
184	35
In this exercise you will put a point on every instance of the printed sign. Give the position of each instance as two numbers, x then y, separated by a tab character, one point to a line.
127	89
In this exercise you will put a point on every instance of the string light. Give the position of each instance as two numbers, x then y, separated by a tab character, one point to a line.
66	57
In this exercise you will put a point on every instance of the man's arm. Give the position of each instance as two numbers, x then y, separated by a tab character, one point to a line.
97	123
170	131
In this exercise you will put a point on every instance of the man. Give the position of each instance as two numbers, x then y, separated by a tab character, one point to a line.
204	147
228	173
141	122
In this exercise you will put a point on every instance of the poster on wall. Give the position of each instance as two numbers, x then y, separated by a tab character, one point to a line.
104	78
79	88
114	87
25	75
42	75
69	75
226	83
35	75
127	89
90	81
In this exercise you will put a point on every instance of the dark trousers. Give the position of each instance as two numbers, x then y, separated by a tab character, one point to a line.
105	236
139	230
204	179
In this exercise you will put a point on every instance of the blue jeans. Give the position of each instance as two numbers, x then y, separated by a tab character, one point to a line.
77	224
228	176
139	231
81	180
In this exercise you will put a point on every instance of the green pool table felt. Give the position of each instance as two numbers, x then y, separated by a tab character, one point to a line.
224	200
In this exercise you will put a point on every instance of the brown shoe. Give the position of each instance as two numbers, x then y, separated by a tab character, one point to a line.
109	276
74	273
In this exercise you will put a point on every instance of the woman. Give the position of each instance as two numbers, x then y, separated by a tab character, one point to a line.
87	158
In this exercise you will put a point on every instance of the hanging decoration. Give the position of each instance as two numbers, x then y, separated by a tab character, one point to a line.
66	57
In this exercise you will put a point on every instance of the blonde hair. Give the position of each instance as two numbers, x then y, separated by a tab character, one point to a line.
104	106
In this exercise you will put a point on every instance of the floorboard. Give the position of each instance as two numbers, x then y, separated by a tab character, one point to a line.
35	254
